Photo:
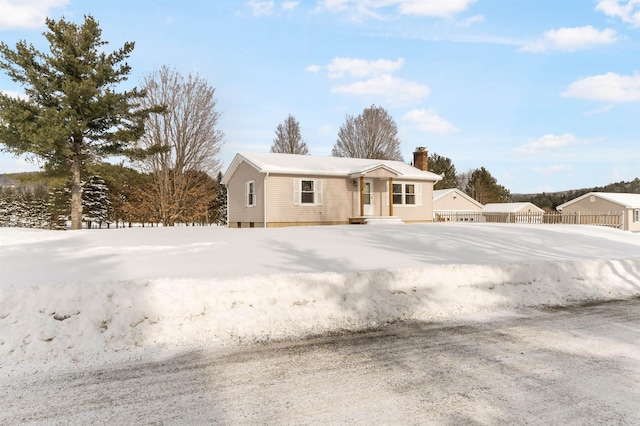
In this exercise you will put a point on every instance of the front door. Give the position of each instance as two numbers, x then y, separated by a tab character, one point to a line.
367	197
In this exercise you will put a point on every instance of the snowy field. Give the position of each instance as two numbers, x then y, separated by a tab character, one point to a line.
95	297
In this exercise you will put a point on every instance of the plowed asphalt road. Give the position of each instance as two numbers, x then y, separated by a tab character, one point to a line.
573	365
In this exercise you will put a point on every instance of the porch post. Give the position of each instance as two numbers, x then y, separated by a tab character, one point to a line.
390	196
361	195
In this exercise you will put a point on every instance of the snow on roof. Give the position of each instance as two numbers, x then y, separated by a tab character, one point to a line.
329	166
509	207
439	193
626	199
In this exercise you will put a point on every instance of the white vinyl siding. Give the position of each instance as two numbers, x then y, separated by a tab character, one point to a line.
307	192
238	210
250	193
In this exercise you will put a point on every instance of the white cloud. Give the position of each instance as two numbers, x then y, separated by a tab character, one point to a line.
290	5
375	8
548	142
441	8
429	121
628	11
393	89
552	170
609	87
602	110
470	21
26	13
353	67
571	39
334	5
380	80
261	8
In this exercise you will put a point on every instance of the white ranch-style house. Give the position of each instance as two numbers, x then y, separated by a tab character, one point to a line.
273	190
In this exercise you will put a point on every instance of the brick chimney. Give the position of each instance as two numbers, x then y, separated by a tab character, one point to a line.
421	158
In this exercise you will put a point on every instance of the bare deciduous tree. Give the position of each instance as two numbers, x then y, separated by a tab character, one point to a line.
463	179
190	137
288	139
372	134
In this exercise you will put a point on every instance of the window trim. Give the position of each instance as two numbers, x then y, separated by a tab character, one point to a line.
250	193
417	194
298	192
636	215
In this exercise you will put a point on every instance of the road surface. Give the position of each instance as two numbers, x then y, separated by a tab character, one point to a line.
574	365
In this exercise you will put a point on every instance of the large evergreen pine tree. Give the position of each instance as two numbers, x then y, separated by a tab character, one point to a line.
485	188
71	116
444	167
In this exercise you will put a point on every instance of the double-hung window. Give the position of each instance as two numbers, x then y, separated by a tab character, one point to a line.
250	193
307	192
409	194
636	215
397	193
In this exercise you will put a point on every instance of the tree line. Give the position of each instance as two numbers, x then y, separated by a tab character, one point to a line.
118	197
550	200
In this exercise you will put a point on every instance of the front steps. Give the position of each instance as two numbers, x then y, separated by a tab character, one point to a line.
375	220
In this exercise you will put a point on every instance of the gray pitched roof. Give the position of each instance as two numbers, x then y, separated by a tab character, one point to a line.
295	164
627	200
439	193
509	207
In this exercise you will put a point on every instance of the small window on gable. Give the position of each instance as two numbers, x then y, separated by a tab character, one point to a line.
307	192
250	193
592	198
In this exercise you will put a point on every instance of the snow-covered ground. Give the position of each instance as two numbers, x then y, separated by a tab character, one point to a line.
77	298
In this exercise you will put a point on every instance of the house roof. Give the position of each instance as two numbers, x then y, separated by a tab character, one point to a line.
509	207
295	164
625	199
439	193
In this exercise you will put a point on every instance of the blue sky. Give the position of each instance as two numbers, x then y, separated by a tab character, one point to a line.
545	94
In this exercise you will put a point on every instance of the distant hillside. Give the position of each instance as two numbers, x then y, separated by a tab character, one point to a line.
550	200
29	179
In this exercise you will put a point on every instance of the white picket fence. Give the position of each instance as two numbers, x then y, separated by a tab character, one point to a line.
611	219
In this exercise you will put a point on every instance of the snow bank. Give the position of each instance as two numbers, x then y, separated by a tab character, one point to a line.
89	320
